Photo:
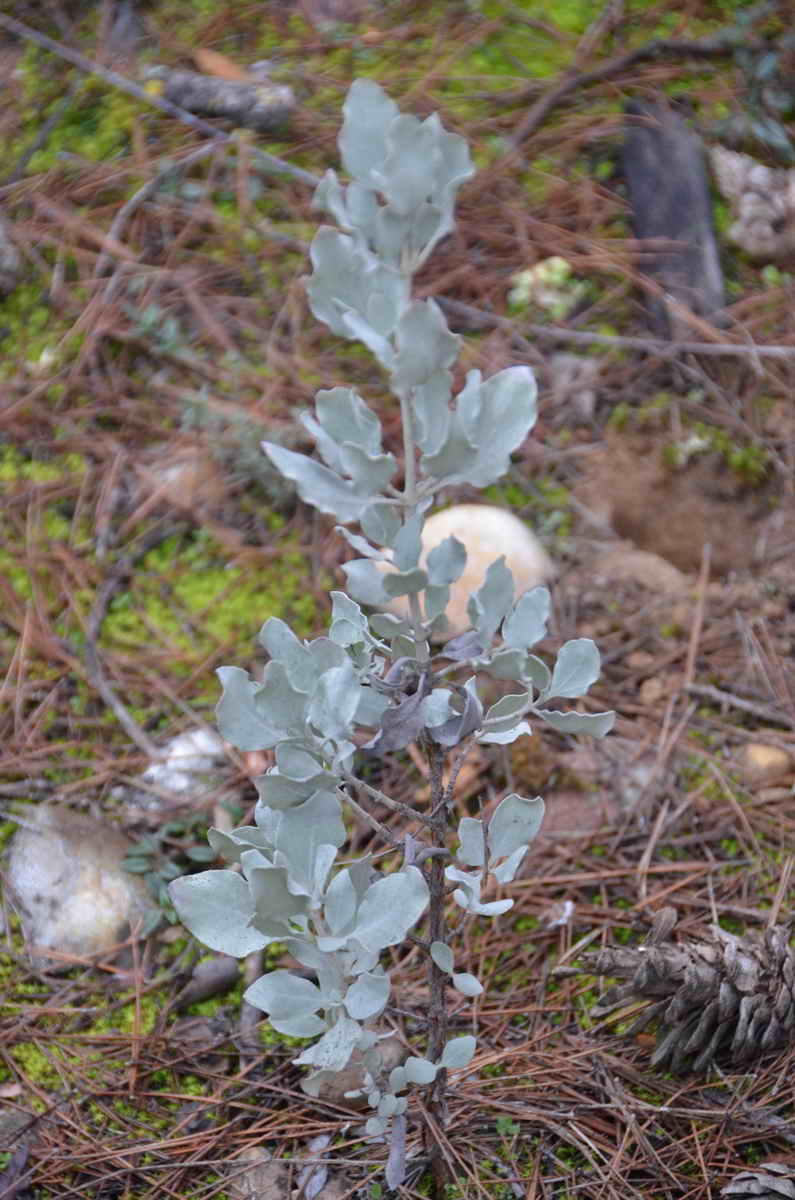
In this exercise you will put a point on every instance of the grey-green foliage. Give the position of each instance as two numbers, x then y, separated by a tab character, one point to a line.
378	671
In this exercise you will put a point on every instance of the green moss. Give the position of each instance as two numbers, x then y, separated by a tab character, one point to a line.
191	600
36	1066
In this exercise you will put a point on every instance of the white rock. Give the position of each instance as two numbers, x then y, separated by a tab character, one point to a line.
65	877
187	756
486	532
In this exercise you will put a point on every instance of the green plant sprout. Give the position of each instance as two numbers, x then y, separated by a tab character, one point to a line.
381	673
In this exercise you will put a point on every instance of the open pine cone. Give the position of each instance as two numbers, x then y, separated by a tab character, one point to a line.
771	1181
728	994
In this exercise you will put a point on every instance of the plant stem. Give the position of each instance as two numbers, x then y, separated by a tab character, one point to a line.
437	980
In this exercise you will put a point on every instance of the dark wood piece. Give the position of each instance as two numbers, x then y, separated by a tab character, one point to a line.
663	163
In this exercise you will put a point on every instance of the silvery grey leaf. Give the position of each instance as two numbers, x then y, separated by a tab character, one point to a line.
334	1049
406	174
327	448
340	903
442	955
407	544
404	583
515	822
365	582
304	829
527	624
458	1052
472	849
436	601
455	459
595	724
387	1106
390	907
278	639
420	1070
436	707
455	165
295	760
216	907
537	672
371	707
463	647
240	721
425	345
505	712
430	402
466	721
369	114
375	1127
397	1080
362	328
362	209
576	668
504	737
488	605
282	995
367	996
277	791
345	417
491	420
446	562
330	197
283	704
393	236
346	276
359	544
380	522
231	845
333	705
325	654
467	896
273	900
348	622
508	664
387	625
317	485
467	984
506	871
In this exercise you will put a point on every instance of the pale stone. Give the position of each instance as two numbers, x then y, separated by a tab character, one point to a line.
254	1174
761	764
651	690
187	757
65	878
626	564
486	532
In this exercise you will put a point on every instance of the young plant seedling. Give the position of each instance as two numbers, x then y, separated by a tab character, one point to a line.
379	671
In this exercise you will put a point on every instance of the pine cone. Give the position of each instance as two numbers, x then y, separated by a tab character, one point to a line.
772	1181
728	994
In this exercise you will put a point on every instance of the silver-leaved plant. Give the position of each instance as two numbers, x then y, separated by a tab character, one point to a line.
378	671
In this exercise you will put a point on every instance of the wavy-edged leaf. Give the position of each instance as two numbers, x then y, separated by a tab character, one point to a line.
595	724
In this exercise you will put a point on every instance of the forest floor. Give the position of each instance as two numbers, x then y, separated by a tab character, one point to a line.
158	332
